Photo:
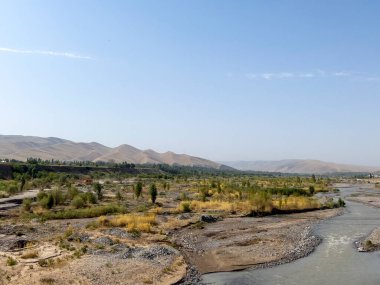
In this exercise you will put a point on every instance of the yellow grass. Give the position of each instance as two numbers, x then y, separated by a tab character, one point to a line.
30	254
133	222
296	203
198	206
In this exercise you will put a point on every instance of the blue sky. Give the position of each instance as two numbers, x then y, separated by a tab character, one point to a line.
224	80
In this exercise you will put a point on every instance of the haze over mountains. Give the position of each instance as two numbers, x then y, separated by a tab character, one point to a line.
23	147
307	166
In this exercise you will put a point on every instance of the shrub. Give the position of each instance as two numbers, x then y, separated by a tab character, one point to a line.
98	190
30	254
90	197
311	190
58	197
78	202
138	189
72	192
153	192
27	204
119	196
91	212
41	195
47	202
185	207
11	261
341	203
140	223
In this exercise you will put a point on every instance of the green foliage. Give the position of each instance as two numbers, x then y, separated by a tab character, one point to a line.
341	203
153	193
89	197
78	202
27	204
138	189
91	212
119	196
58	196
311	190
98	190
185	207
47	202
11	261
72	192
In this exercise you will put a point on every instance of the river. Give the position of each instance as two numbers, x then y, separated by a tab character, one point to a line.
335	261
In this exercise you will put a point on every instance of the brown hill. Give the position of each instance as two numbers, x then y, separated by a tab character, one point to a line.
23	147
307	166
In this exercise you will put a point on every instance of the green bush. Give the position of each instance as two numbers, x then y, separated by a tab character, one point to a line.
78	202
153	192
138	189
185	207
11	261
91	212
90	198
27	204
47	202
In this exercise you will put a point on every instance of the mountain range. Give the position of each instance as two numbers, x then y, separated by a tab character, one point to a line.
306	166
23	147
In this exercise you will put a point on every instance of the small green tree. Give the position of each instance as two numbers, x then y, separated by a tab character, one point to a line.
138	189
98	190
27	204
311	190
22	183
119	196
77	202
153	192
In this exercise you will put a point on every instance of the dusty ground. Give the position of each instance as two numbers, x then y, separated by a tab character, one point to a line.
73	255
238	243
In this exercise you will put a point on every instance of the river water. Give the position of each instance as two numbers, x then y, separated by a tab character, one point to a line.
335	261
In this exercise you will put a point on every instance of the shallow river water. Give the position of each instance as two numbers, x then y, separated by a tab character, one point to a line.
335	261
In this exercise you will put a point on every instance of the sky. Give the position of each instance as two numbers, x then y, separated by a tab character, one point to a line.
223	80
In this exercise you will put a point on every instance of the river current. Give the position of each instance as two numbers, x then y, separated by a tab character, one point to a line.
335	261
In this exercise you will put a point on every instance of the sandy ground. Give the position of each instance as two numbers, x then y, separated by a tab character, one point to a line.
111	256
239	243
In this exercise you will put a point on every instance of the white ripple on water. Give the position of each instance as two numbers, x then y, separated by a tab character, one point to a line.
336	244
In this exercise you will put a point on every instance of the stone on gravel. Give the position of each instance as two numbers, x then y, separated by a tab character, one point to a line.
209	219
103	241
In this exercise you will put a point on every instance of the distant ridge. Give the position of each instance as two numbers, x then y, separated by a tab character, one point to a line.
306	166
23	147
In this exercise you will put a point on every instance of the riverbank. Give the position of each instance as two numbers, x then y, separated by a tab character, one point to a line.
239	243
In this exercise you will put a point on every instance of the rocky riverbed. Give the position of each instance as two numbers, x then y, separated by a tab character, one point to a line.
242	242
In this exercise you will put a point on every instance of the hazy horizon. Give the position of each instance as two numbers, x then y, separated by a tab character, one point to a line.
221	80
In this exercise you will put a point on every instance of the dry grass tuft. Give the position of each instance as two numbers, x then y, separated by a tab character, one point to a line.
133	222
30	254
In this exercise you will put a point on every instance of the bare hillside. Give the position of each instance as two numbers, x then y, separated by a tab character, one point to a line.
307	166
23	147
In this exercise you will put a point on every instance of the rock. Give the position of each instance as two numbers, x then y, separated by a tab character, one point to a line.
79	237
103	241
185	216
117	232
157	251
209	219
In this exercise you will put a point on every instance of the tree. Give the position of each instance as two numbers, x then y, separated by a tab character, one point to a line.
98	190
311	190
313	178
22	183
153	192
138	189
